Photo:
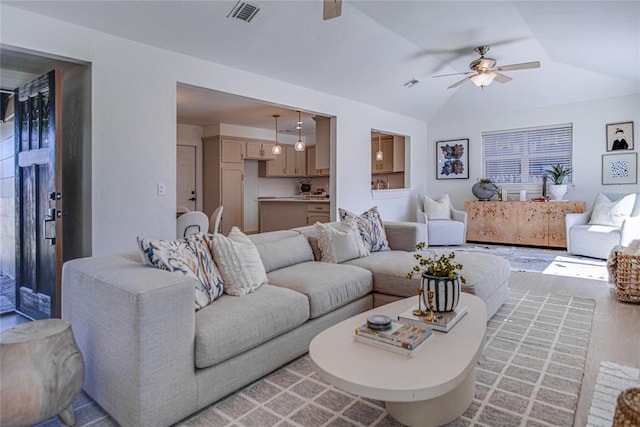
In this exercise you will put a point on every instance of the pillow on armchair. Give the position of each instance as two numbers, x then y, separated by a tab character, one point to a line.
437	209
611	213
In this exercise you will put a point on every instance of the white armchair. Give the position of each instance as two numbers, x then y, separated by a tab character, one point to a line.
597	240
445	224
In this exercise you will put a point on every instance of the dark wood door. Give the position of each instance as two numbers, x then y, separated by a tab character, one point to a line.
38	200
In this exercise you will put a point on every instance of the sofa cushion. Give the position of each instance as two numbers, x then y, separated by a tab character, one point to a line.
483	273
612	213
446	232
371	228
233	325
594	240
189	256
239	262
340	242
327	286
284	251
437	209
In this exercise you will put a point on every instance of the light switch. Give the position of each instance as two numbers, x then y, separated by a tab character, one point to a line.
162	189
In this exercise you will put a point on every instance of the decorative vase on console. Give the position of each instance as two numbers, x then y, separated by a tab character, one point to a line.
305	184
557	173
484	189
440	276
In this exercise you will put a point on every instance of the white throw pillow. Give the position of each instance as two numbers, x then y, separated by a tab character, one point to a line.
340	242
607	212
239	262
437	209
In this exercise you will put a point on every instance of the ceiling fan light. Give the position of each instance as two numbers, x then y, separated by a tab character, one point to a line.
483	79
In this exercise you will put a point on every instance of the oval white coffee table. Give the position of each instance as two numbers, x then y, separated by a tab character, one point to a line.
433	388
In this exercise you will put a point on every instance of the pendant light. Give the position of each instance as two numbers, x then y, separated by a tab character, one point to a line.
276	149
379	154
299	146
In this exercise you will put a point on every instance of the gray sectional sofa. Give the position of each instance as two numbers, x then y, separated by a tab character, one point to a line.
152	361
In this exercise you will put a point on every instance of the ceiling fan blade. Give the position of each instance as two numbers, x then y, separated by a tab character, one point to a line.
523	66
331	9
501	78
460	82
454	74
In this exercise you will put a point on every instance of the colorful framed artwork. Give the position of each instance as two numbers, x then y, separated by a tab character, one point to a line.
620	136
620	168
452	159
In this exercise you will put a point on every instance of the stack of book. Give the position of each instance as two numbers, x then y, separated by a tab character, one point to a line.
400	338
446	319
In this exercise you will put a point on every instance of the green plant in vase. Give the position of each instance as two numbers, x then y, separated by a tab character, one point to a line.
439	276
557	173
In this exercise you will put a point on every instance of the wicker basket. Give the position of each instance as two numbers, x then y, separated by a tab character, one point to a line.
627	277
628	409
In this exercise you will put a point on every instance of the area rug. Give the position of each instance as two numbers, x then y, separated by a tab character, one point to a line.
612	380
530	375
542	260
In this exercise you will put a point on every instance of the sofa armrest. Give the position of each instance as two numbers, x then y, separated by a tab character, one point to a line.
135	326
571	220
458	215
421	217
630	230
404	236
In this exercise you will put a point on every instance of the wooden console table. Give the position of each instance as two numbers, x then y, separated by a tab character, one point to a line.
520	223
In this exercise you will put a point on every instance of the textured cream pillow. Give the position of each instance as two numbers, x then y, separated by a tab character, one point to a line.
607	212
340	242
437	209
239	262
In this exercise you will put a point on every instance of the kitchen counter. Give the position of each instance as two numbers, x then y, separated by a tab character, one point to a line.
282	213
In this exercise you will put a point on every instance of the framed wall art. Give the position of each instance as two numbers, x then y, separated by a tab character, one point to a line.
452	159
620	136
620	168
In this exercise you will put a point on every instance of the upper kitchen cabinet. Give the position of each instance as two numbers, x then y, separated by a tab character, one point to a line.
312	169
296	162
232	150
259	150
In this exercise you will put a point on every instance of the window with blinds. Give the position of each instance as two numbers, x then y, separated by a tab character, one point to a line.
520	156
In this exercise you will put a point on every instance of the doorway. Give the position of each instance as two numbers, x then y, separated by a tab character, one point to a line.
186	184
74	187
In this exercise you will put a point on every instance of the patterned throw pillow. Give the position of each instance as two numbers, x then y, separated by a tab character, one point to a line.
239	262
189	256
340	242
370	228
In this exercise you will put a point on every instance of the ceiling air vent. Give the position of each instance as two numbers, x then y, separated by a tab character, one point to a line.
411	83
244	11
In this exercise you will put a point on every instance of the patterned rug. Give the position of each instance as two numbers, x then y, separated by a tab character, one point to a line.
529	375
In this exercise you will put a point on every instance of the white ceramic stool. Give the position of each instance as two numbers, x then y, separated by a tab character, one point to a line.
42	372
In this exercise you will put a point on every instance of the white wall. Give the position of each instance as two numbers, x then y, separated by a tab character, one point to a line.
589	120
134	126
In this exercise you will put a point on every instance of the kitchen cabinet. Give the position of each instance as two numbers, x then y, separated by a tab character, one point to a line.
317	212
283	214
223	180
312	170
259	150
275	167
232	150
520	223
296	162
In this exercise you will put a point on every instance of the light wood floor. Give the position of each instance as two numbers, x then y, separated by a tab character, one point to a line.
615	333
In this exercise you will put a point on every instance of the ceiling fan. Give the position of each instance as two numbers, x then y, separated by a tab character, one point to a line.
331	9
485	70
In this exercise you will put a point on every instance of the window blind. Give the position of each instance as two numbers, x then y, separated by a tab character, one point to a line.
520	156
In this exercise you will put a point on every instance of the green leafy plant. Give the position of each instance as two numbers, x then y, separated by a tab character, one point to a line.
489	182
558	173
443	266
304	181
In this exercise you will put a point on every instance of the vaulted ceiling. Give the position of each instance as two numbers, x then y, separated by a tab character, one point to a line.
588	49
